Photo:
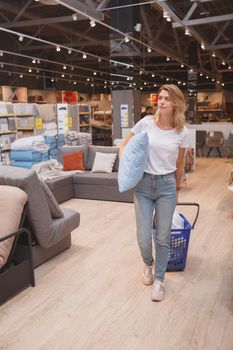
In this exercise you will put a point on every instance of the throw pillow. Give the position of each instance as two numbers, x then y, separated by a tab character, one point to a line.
104	162
54	208
132	162
73	161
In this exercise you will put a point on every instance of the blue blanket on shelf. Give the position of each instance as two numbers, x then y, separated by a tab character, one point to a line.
26	156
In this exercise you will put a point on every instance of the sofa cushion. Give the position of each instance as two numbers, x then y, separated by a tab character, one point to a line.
103	162
73	161
59	181
102	149
12	202
89	178
38	209
54	208
73	149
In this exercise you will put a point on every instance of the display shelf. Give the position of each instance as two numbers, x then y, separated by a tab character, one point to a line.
84	117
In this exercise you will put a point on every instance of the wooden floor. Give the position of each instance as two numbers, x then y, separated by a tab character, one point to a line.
91	296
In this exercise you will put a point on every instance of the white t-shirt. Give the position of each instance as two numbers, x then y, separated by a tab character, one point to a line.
163	146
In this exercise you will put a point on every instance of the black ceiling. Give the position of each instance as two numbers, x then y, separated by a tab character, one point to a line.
158	51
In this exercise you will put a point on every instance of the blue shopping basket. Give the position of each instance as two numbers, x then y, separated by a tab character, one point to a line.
179	241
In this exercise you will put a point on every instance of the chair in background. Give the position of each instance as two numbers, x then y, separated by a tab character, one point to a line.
229	144
200	141
215	139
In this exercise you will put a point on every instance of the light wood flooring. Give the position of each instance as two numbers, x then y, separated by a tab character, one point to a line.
91	297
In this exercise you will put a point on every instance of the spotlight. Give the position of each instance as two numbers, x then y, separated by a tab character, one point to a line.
69	51
152	75
168	19
229	67
187	32
92	85
138	27
149	50
167	79
203	45
223	63
182	65
1	53
213	54
222	84
126	39
58	49
165	14
52	80
29	70
72	68
21	76
38	61
168	58
92	23
94	73
155	85
63	75
99	59
33	61
84	56
88	79
64	67
75	17
75	82
20	38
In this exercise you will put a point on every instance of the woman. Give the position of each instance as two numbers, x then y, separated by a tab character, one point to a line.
157	190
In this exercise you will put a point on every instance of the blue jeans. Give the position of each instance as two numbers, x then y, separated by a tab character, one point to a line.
155	193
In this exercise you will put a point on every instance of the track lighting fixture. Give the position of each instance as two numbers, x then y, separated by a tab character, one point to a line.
69	51
187	32
223	63
203	45
64	67
92	23
126	39
58	49
168	19
75	17
229	67
94	73
182	65
84	56
21	76
213	54
29	70
168	58
21	38
149	50
33	61
75	82
1	53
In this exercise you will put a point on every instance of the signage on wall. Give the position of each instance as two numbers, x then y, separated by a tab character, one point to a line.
124	116
67	96
154	98
62	118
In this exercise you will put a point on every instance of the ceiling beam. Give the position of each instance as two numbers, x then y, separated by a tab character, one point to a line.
220	33
23	9
190	11
41	21
222	46
200	21
85	9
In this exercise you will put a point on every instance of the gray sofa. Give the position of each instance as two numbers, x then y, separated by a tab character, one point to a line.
50	225
88	185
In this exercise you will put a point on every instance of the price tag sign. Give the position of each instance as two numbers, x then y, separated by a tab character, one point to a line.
39	123
70	122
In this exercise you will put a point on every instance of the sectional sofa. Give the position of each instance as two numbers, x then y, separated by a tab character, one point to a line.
89	185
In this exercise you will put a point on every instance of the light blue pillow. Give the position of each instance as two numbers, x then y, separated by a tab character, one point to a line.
132	162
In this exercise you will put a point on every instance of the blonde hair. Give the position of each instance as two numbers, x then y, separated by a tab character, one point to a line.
179	103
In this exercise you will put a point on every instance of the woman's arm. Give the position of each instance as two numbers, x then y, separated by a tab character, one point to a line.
179	166
124	143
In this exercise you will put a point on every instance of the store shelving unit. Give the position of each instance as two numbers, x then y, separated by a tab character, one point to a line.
84	116
101	127
25	123
7	130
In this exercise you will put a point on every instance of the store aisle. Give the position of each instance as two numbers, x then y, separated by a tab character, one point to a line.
91	296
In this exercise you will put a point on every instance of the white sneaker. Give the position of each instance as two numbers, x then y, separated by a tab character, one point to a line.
158	291
147	275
